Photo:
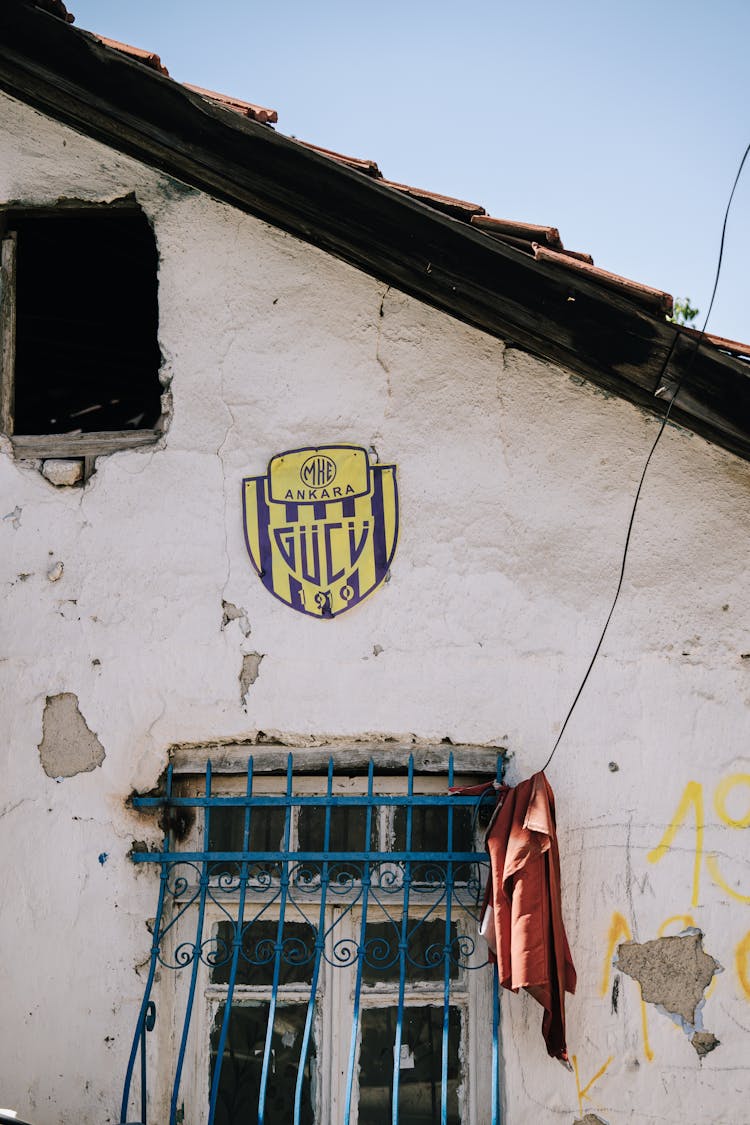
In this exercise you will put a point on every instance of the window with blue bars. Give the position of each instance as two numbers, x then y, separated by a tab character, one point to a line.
315	951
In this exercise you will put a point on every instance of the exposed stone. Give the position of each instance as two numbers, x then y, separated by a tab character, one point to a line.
704	1042
673	972
590	1119
61	473
250	671
232	612
68	746
55	572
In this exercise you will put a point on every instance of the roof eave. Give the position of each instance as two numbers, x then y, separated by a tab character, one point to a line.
538	306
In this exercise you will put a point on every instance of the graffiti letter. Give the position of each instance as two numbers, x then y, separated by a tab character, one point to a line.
584	1093
723	790
619	931
692	796
741	959
712	864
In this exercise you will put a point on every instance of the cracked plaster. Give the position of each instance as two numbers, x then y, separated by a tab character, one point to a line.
250	671
515	484
674	973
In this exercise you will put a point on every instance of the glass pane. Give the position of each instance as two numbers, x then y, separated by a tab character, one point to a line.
420	1071
347	833
226	834
257	955
424	957
347	830
239	1084
429	833
429	829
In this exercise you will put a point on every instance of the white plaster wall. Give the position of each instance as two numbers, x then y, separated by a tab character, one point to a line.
516	483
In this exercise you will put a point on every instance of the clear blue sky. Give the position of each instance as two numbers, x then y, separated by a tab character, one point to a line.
620	123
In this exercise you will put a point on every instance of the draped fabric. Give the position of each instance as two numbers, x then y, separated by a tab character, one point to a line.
522	916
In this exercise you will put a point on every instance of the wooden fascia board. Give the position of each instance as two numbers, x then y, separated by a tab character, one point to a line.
72	77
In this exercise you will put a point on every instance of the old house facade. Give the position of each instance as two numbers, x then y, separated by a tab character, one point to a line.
273	298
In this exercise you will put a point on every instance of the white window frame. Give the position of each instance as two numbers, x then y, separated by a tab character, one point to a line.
471	992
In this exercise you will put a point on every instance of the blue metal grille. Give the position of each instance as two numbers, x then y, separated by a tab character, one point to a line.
288	885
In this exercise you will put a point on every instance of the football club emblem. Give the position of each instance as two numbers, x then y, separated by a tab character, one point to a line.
321	527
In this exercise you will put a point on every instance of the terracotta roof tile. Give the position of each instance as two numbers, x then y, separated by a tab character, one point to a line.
541	242
369	167
578	254
146	57
731	346
655	299
247	109
459	208
527	232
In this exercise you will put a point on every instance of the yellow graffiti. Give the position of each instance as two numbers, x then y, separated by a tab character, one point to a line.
723	790
741	958
713	870
647	1049
619	930
584	1093
686	919
692	796
691	802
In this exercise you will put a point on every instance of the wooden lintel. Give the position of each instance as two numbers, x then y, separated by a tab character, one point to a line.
34	446
70	206
353	758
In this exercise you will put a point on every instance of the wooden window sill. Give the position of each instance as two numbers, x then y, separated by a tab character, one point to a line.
35	446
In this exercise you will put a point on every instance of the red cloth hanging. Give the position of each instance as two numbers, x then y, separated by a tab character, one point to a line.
522	914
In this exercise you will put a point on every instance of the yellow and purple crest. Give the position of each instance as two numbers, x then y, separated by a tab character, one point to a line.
321	527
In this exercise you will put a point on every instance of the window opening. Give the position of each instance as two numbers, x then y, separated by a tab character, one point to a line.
322	939
79	322
240	1075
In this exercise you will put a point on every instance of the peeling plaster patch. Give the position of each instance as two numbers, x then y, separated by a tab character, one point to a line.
704	1042
590	1119
55	572
68	746
674	973
232	612
250	671
14	517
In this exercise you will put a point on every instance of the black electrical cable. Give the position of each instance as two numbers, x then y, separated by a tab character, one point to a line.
697	340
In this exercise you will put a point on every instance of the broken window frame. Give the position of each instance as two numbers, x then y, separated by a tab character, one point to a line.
196	895
84	446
